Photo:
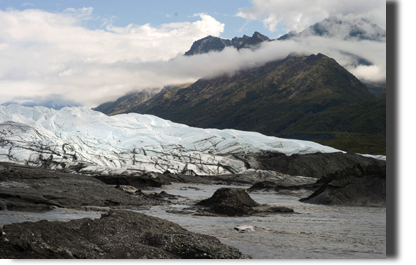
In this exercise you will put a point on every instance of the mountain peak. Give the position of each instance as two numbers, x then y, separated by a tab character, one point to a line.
260	36
345	29
211	43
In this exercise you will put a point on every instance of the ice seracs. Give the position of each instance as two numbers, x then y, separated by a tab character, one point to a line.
82	140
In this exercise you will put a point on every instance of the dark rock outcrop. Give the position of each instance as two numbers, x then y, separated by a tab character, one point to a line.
236	202
355	186
140	182
116	235
262	185
315	165
24	188
150	180
211	43
301	190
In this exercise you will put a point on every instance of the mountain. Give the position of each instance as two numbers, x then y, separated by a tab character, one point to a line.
282	98
211	43
135	101
86	141
356	29
125	102
286	98
355	127
54	101
332	27
272	99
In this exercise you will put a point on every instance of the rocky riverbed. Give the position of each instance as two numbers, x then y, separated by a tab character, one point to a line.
256	214
311	231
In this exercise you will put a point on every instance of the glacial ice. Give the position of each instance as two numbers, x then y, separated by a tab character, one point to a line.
82	140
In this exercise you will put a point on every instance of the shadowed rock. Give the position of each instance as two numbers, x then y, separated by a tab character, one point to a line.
300	190
116	235
355	186
139	182
150	180
236	202
34	189
315	165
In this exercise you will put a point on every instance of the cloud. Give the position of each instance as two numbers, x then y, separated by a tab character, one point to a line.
84	13
348	53
298	15
27	4
44	54
51	101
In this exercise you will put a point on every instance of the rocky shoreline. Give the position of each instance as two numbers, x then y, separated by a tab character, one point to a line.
345	179
118	234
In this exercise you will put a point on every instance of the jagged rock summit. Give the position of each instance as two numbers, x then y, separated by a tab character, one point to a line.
332	27
211	43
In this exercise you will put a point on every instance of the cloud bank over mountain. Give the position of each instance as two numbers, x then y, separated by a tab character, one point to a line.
44	54
297	15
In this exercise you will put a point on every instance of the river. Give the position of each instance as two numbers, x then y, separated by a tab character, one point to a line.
313	231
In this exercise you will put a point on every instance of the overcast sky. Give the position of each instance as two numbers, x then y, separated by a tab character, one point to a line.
93	51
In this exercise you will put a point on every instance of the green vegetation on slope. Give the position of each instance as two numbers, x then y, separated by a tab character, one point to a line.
302	97
355	127
308	95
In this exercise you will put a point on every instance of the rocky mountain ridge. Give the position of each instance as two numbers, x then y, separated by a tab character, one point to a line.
332	27
211	43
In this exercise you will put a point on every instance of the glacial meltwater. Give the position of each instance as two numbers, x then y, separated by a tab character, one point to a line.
313	231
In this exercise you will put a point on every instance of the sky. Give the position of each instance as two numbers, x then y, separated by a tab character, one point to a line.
124	12
89	52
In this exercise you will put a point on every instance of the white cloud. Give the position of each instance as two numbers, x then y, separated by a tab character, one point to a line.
51	53
27	4
84	13
43	53
298	15
371	73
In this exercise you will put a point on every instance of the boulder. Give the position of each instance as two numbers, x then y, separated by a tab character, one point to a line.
127	188
244	228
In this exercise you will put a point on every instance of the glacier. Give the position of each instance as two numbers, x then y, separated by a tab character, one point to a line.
78	139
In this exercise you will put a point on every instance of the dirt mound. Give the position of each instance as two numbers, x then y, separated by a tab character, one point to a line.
34	189
236	202
355	186
315	165
116	235
150	180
